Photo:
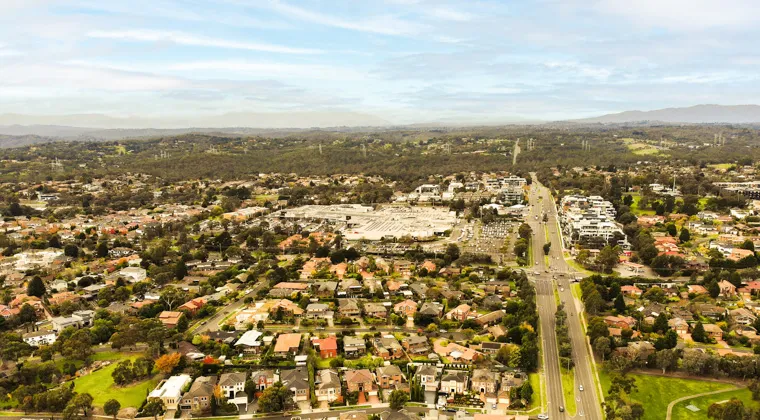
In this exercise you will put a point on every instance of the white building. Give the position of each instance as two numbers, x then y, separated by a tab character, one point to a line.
40	338
133	274
170	390
584	218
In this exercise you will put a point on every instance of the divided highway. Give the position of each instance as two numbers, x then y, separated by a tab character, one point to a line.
587	401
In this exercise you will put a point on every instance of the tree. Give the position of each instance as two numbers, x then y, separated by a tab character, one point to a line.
180	270
27	313
112	407
172	296
182	323
166	363
733	409
123	373
666	359
660	323
102	250
525	231
397	399
35	287
620	304
526	392
698	334
71	250
81	402
154	407
452	253
602	346
684	236
274	398
608	258
78	346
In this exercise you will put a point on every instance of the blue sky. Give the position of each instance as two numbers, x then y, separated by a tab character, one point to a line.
404	61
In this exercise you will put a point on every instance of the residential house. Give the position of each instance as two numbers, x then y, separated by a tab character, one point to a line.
427	376
40	338
327	385
354	346
431	309
169	391
709	310
250	342
198	398
193	306
387	347
263	379
77	319
325	289
726	288
497	331
360	380
232	386
679	325
287	344
620	321
419	289
375	310
297	381
713	331
454	382
484	381
349	308
630	291
490	318
389	377
407	308
489	347
327	347
742	316
495	287
170	319
460	313
317	310
416	344
696	289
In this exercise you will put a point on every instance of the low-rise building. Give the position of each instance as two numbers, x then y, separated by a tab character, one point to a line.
169	391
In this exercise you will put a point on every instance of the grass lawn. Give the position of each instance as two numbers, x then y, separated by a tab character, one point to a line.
537	400
656	392
366	360
635	206
100	384
568	389
681	413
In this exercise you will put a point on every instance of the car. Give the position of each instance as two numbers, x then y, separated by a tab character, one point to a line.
442	331
561	289
536	262
561	408
493	406
543	416
580	387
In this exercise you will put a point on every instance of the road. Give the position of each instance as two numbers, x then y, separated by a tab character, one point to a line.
588	405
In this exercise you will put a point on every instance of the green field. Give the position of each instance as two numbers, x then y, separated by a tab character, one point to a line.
656	392
568	389
681	413
100	384
635	206
535	383
639	148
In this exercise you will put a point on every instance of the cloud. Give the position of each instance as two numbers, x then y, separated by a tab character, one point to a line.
684	14
148	35
384	24
444	13
268	69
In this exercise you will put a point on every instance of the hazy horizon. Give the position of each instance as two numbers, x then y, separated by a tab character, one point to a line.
365	63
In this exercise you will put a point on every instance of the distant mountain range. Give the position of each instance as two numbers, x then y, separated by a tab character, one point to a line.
698	114
19	130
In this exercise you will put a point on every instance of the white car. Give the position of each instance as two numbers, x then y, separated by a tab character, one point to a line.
543	417
580	387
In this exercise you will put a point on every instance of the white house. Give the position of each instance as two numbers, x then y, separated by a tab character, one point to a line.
170	390
40	338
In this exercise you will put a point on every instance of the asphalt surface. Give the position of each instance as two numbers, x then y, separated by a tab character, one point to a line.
558	273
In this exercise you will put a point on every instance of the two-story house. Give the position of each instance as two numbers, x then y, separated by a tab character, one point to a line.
389	377
297	381
427	376
263	379
327	385
359	380
354	346
454	382
232	386
388	348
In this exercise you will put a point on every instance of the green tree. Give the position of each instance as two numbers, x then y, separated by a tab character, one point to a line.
81	402
102	250
274	398
660	323
180	270
526	392
112	407
78	346
698	334
731	410
123	373
154	407
35	287
397	399
525	231
684	236
620	304
602	346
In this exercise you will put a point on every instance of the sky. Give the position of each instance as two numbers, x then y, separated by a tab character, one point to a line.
401	61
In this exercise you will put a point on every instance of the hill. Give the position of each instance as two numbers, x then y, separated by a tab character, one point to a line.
698	114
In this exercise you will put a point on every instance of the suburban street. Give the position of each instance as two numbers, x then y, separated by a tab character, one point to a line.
588	405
